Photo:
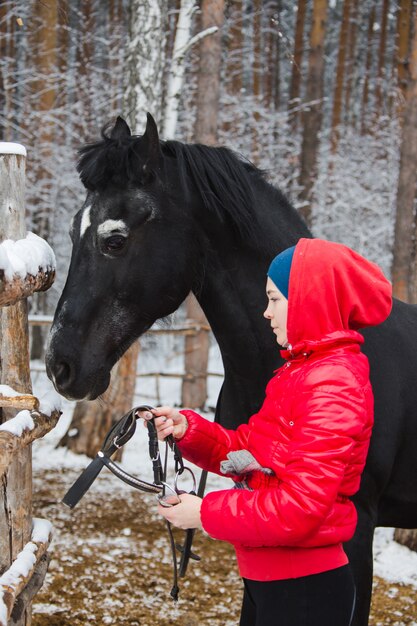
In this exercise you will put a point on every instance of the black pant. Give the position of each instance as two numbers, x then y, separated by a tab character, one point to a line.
325	599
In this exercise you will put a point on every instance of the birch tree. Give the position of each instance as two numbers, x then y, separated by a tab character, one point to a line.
182	43
145	61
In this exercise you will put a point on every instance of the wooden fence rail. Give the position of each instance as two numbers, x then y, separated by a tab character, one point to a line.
187	330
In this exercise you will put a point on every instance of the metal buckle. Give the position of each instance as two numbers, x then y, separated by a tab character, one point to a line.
161	497
181	473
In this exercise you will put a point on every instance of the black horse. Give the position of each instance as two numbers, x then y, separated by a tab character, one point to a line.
163	218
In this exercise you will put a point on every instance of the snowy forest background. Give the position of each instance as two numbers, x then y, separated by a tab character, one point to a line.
339	68
320	94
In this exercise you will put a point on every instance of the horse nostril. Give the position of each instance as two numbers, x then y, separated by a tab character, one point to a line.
63	374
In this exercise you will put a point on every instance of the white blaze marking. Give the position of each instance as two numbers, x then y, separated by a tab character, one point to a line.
85	221
110	226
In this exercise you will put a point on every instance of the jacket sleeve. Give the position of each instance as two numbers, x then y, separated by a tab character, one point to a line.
328	419
207	443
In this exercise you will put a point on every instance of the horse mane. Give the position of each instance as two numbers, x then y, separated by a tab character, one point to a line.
224	179
111	161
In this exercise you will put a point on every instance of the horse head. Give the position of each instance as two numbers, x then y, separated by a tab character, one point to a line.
131	243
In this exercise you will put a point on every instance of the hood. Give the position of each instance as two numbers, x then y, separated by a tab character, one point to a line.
333	290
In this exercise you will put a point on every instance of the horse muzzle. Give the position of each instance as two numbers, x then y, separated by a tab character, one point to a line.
73	379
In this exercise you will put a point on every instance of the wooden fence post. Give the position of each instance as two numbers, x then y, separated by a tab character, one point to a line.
16	487
16	524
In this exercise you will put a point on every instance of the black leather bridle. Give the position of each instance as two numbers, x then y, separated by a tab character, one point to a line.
118	436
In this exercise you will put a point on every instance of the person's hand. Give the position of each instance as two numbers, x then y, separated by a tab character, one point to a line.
168	421
184	515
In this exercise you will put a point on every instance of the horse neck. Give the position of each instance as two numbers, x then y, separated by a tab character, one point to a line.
231	289
232	293
233	299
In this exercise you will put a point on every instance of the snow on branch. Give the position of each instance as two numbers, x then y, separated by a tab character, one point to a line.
16	400
26	266
27	426
204	33
15	579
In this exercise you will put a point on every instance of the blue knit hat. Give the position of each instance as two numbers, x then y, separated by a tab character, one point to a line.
279	270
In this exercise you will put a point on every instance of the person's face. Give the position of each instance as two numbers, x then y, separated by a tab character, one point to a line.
276	312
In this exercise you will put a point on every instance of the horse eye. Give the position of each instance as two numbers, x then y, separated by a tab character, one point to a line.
114	243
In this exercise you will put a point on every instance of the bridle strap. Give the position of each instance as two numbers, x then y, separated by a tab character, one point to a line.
137	483
119	434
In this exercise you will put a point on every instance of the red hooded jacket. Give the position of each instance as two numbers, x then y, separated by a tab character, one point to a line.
313	429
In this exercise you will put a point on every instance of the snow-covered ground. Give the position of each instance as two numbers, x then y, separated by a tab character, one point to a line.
393	562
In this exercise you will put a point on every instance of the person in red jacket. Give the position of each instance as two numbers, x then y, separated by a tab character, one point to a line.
298	461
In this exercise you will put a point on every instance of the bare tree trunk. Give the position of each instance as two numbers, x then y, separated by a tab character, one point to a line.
340	77
379	91
404	20
194	388
205	130
116	17
350	65
272	55
312	117
404	271
4	37
257	91
9	102
294	98
92	420
85	56
234	66
45	54
406	537
368	63
194	385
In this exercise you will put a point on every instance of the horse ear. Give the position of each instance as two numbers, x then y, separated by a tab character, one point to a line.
151	130
153	148
120	130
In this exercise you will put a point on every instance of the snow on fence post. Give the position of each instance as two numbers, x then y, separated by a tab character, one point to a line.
21	555
16	489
